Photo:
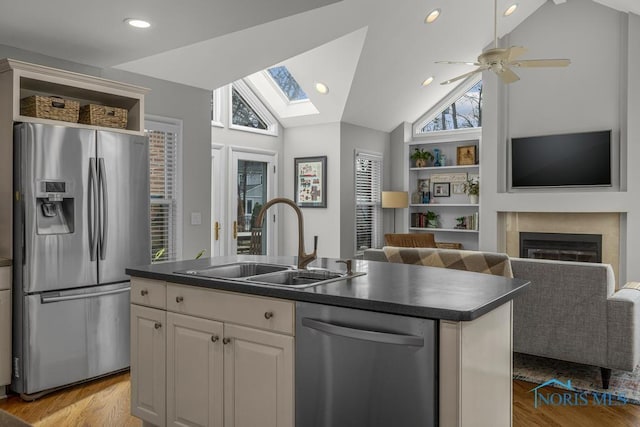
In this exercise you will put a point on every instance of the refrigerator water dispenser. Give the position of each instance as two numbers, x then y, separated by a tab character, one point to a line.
54	213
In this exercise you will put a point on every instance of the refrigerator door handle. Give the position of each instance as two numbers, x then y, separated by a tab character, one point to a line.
45	299
104	200
93	209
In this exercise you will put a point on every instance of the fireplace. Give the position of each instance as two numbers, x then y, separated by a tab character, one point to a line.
561	246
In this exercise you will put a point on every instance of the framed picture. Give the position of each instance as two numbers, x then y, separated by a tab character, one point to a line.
466	155
441	189
458	188
423	185
311	182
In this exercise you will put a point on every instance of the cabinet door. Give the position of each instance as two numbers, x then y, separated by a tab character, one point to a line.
148	357
5	337
194	371
258	378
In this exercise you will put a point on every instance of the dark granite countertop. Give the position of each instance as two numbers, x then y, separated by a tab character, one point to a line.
418	291
5	262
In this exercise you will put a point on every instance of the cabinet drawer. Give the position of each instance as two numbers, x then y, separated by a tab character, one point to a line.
5	278
258	312
148	292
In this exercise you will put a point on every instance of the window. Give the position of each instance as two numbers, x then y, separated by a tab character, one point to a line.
248	113
216	108
163	182
464	112
368	204
287	84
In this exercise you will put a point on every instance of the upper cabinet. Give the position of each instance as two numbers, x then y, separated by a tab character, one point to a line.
21	80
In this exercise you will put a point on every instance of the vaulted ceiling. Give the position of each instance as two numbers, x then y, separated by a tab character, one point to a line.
373	54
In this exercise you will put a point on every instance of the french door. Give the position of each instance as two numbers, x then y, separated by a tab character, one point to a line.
218	184
252	182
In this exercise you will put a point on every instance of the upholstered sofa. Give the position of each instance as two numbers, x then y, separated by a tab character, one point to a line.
570	312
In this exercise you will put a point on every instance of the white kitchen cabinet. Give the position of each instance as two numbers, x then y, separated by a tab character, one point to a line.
5	327
148	364
228	357
258	378
194	371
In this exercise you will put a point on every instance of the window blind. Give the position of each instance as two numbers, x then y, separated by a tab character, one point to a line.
163	165
368	204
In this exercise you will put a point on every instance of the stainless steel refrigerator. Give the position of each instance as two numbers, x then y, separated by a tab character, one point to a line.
81	216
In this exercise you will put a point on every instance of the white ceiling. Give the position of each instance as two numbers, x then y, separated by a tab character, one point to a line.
208	43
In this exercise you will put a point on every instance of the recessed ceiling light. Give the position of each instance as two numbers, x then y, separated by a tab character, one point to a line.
428	81
138	23
322	88
511	9
432	16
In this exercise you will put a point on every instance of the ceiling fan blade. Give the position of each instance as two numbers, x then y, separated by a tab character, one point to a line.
458	62
541	63
507	76
515	52
462	76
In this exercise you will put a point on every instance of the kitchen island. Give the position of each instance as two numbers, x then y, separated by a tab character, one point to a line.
226	355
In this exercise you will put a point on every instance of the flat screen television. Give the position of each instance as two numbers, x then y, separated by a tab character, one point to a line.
568	160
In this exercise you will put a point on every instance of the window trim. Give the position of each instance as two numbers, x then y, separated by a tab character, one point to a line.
445	102
216	113
374	156
278	89
255	104
166	124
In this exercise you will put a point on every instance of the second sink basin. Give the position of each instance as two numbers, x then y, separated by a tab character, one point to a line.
297	278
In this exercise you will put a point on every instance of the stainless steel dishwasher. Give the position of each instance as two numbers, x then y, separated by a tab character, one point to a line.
361	368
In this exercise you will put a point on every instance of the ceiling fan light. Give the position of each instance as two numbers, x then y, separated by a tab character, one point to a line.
511	9
137	23
427	81
321	88
432	16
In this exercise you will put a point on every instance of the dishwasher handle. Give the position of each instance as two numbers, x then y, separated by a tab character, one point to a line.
363	334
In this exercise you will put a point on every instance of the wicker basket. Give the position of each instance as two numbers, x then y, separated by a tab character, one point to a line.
45	107
101	115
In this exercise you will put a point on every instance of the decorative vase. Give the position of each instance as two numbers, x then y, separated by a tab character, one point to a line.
420	163
473	199
436	158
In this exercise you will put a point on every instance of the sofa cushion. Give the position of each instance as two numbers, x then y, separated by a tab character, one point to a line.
480	262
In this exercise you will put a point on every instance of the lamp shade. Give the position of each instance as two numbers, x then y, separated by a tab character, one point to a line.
395	199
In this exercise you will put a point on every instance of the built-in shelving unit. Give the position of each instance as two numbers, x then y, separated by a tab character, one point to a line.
448	205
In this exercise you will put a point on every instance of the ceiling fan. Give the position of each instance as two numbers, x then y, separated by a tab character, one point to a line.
500	61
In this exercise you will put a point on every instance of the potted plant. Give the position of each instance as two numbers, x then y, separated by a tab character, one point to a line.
472	189
432	219
421	157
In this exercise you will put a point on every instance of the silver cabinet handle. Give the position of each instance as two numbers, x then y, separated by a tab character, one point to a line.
144	292
157	325
214	338
363	334
268	315
226	341
179	299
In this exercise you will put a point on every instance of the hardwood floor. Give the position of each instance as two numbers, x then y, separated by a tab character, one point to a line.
105	402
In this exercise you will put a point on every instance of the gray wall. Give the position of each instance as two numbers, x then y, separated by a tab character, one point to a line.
398	161
354	138
597	91
171	100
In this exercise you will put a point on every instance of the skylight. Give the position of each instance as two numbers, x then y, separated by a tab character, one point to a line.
287	84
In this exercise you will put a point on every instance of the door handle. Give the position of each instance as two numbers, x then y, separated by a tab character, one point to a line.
216	231
93	209
104	199
49	299
363	334
235	230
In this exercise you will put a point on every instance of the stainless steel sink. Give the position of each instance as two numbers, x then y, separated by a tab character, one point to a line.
297	278
236	270
270	274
